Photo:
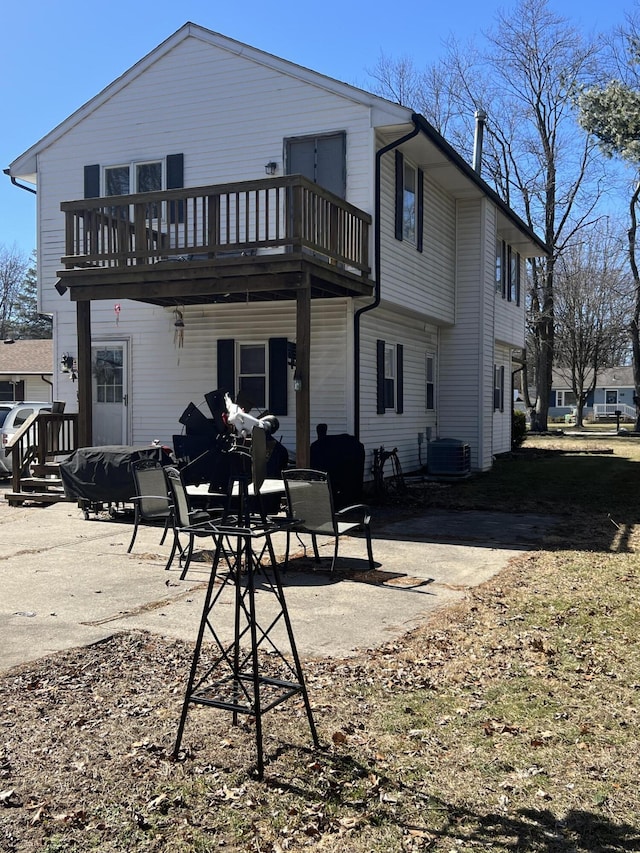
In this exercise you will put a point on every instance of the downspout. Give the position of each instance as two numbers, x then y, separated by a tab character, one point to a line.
49	383
20	186
376	261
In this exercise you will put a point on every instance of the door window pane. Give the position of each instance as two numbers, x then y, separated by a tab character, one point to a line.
107	369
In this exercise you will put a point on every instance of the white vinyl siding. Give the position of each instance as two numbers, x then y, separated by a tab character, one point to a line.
35	388
510	317
419	281
502	418
166	378
465	401
393	429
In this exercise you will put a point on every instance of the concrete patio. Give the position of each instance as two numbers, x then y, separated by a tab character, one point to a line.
67	581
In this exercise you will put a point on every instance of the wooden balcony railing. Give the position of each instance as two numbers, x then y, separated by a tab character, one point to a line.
260	217
42	437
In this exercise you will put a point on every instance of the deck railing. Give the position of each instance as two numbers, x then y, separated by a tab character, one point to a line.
216	222
42	437
610	410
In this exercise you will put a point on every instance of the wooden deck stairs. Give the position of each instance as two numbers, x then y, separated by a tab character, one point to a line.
43	440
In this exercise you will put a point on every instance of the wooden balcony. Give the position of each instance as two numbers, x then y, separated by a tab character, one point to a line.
224	243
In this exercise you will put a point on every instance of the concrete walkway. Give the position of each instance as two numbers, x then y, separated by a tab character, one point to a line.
67	582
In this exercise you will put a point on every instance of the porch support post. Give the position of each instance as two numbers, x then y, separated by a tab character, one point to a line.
85	415
303	373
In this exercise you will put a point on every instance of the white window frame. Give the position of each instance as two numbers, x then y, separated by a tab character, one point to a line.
498	387
390	376
133	171
409	203
265	375
159	211
430	382
513	283
562	402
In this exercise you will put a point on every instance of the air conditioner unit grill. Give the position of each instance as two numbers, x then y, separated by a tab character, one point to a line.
448	457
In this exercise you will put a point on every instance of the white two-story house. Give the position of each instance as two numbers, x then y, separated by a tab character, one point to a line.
220	218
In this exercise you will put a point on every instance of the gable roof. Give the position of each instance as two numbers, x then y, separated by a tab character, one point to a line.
608	377
26	357
395	118
389	113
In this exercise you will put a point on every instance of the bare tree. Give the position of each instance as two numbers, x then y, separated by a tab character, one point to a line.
591	308
535	154
13	267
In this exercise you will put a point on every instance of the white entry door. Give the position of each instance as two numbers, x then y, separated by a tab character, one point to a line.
109	392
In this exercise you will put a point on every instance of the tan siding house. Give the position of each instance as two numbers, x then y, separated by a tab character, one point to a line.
26	370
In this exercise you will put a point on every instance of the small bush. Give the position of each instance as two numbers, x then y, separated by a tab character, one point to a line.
518	429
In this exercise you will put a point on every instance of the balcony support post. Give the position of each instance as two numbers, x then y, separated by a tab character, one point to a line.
85	415
303	373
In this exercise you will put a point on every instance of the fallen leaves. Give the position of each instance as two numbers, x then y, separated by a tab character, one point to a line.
496	727
10	799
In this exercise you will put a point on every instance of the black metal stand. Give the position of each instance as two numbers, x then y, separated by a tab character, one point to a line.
234	681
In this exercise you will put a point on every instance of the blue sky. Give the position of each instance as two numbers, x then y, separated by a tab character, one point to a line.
57	54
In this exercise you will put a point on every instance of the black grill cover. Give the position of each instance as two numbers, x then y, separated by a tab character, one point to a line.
103	474
342	457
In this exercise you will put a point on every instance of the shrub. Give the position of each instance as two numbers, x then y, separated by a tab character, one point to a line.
518	429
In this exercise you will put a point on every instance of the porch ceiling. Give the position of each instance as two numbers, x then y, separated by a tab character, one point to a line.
197	282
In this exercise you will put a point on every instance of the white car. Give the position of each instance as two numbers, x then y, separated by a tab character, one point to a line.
12	416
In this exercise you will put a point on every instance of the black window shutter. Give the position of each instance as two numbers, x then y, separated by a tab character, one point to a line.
380	407
399	379
277	376
399	193
175	181
226	365
92	181
420	211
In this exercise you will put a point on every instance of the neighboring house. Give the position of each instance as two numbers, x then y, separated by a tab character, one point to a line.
194	257
614	392
26	371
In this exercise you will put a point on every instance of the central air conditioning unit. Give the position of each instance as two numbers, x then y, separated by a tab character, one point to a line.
448	457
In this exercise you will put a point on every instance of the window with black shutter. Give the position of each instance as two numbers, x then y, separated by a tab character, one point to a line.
409	201
255	372
390	377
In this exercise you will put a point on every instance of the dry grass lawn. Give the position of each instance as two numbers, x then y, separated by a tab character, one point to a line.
508	722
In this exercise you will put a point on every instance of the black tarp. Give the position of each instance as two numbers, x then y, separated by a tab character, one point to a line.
103	474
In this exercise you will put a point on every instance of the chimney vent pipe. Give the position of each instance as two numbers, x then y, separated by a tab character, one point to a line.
481	118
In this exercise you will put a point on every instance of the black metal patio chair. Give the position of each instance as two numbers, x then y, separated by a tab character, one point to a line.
151	501
311	510
193	523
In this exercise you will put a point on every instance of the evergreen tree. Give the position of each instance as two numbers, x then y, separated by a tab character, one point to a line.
26	322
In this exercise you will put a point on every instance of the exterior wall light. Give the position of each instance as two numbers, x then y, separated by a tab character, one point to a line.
271	167
67	363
